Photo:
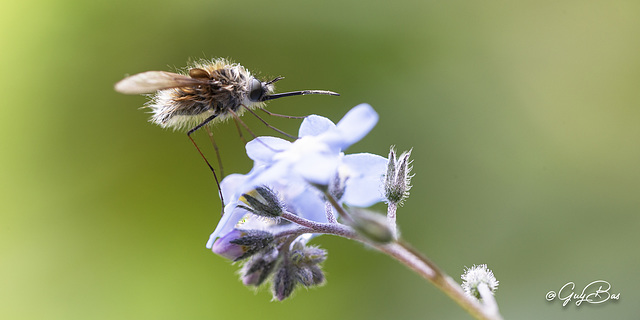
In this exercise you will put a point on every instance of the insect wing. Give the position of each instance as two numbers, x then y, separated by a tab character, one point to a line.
152	81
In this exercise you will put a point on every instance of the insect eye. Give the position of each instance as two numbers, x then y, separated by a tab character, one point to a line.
256	91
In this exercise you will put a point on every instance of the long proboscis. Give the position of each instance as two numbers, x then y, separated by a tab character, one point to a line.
299	93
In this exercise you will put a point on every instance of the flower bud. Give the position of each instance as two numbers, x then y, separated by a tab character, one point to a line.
284	281
371	225
304	276
262	201
225	248
473	277
314	255
310	275
398	178
239	244
318	275
255	271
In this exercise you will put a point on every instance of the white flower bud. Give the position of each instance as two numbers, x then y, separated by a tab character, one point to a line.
473	277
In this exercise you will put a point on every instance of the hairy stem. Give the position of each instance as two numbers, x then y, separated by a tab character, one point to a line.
391	218
317	227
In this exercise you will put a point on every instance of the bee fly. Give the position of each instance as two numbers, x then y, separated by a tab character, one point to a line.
210	92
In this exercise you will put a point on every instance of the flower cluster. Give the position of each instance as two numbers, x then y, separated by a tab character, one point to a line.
297	190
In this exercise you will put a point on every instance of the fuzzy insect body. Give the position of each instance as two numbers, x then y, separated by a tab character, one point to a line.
210	92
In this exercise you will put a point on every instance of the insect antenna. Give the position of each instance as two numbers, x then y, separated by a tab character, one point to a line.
274	80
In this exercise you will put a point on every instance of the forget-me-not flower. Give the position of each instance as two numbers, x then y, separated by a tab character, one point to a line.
292	169
292	180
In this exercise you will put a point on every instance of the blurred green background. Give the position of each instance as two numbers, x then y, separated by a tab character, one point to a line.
523	117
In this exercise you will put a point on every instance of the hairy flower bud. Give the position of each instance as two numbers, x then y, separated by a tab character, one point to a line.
240	244
284	281
302	254
262	201
310	275
305	276
299	266
475	276
314	255
398	178
255	271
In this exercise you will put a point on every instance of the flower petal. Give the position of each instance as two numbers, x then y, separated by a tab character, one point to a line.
230	184
318	169
309	205
262	149
364	186
314	125
232	215
357	123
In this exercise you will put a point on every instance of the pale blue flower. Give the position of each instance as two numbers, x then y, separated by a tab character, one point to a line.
291	169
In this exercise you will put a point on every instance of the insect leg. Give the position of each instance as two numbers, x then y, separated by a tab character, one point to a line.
281	115
237	119
215	147
207	120
272	127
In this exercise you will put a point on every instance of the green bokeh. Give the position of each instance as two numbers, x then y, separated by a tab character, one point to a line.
523	117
